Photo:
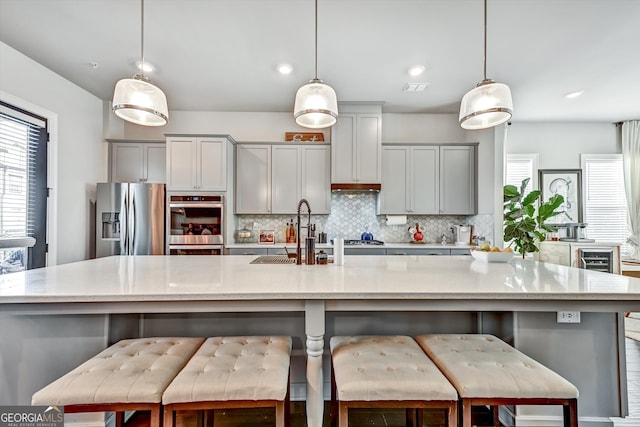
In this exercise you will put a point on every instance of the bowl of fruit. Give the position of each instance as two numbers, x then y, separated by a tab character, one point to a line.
488	253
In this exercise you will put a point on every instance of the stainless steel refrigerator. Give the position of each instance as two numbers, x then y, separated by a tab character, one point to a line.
130	219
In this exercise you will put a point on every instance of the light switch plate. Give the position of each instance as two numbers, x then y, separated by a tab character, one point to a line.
568	317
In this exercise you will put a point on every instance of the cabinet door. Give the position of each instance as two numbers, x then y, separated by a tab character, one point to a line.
285	175
127	162
155	164
253	179
343	139
181	170
212	164
457	180
368	148
423	182
316	178
395	171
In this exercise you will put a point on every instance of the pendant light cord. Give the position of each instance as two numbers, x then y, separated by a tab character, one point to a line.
142	38
484	58
316	41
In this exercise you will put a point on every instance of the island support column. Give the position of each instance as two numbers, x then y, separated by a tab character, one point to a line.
314	329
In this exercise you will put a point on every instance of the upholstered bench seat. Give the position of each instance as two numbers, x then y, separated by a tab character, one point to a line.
233	372
129	375
387	371
487	371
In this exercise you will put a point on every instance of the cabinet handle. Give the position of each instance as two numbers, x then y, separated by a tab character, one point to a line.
400	253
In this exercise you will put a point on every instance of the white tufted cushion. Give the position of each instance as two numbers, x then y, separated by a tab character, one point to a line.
234	368
130	371
485	366
386	368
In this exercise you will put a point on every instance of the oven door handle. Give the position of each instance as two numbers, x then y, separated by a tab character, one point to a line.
196	205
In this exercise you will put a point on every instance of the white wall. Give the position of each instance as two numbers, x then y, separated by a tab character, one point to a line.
81	151
560	144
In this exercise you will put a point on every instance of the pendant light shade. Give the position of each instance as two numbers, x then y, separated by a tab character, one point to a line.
489	103
316	104
485	106
137	100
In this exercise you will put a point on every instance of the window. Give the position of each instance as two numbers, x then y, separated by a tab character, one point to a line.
23	187
519	167
605	203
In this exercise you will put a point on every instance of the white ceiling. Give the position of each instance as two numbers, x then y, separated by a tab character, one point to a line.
221	55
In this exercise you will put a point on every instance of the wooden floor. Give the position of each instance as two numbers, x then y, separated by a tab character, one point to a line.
261	417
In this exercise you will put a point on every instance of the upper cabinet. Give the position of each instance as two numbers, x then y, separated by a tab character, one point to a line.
271	179
428	180
458	187
197	163
410	180
356	141
138	162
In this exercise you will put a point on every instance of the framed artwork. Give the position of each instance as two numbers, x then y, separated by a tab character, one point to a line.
567	183
267	237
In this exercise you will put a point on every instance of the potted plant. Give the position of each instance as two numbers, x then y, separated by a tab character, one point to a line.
524	225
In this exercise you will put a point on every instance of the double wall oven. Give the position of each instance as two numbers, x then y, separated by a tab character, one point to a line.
195	224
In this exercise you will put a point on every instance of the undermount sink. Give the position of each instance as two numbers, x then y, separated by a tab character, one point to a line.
273	259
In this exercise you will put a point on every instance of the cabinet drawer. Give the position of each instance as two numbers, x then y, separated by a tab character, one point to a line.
247	251
365	251
460	252
418	251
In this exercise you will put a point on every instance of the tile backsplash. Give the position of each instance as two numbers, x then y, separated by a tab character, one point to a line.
353	213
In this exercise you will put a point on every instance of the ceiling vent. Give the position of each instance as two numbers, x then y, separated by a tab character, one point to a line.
415	87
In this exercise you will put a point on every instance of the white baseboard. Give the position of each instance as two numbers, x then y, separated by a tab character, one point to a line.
557	421
625	422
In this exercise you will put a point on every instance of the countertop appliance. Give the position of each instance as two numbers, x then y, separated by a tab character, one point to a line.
130	219
362	242
576	232
195	224
462	234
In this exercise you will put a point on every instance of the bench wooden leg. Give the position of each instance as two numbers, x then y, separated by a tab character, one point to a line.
119	418
452	412
495	411
156	417
570	412
280	422
343	415
169	417
466	413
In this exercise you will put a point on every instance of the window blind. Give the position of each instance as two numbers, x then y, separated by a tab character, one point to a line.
605	205
19	144
519	167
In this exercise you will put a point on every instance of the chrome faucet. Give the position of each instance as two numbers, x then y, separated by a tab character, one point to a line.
308	227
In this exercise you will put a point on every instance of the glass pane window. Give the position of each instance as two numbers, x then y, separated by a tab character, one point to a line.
605	203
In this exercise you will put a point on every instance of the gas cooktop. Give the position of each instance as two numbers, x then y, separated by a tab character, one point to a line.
363	242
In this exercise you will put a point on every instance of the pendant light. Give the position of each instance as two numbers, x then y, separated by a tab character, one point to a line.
489	103
316	104
137	100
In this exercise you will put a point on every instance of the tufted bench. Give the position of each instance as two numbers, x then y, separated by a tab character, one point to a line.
233	372
129	375
487	371
387	372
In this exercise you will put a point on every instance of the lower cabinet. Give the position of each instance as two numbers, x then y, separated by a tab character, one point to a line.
352	251
247	251
420	251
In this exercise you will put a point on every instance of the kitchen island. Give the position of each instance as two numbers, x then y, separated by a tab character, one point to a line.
51	319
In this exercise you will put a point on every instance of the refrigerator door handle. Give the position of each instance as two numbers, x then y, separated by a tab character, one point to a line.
124	220
132	225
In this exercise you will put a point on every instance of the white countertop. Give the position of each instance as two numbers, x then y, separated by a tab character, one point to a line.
398	245
227	278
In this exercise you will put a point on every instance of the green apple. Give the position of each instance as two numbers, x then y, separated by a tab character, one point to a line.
485	247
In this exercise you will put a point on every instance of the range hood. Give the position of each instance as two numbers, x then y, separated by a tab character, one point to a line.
356	187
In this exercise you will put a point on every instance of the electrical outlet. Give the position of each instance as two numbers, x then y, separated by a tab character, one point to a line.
568	317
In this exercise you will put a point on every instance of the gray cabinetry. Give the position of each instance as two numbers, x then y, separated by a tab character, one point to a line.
356	141
426	179
418	251
410	180
196	163
273	178
458	180
138	162
247	251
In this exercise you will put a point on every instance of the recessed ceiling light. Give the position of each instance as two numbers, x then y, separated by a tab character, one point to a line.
574	94
416	70
285	69
147	68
